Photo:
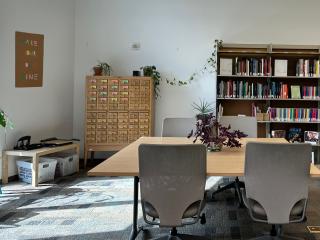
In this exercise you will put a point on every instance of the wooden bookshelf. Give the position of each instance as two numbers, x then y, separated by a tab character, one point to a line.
292	53
119	110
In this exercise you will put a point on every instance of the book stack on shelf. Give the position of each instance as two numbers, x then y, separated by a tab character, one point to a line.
307	68
283	79
253	66
310	92
279	90
242	89
294	114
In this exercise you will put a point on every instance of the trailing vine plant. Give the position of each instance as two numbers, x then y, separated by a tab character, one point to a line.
211	63
4	120
210	66
151	71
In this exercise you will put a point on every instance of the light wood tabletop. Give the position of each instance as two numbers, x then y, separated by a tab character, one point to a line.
228	162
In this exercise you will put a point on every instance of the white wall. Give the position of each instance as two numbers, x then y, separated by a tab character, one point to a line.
177	36
46	111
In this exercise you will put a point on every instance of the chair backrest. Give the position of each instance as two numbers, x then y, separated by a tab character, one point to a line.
177	127
276	176
245	124
172	177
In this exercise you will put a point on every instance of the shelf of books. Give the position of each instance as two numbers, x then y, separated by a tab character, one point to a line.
279	84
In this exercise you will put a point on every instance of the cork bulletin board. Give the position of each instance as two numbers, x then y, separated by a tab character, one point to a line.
29	59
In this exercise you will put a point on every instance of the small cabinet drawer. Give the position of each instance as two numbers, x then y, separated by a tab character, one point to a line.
113	82
124	82
102	115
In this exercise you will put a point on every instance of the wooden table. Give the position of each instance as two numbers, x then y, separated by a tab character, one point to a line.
228	162
35	154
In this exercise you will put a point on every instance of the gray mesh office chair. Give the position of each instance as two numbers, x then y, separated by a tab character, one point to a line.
172	181
177	127
181	127
276	178
248	125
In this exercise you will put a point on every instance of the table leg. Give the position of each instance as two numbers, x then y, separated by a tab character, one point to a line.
35	170
4	168
78	154
134	231
85	157
92	156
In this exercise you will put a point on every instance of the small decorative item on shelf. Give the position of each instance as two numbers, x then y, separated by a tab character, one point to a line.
102	69
295	135
136	73
311	137
97	70
210	132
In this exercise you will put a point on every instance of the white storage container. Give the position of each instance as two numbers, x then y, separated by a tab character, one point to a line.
66	163
46	171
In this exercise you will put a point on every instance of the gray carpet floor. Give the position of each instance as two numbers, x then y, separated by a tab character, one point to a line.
80	207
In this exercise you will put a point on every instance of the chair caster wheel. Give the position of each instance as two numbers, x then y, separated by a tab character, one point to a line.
203	219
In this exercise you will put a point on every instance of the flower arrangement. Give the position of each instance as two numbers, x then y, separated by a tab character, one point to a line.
211	133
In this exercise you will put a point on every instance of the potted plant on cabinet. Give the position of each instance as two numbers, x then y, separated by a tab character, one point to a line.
102	69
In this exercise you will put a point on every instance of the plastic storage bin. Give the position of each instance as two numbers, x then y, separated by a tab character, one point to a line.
66	163
46	171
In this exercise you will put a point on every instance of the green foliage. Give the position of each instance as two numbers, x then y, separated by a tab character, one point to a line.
2	119
203	107
106	68
5	121
151	71
211	63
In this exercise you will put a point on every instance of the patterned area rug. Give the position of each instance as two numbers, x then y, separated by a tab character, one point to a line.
80	207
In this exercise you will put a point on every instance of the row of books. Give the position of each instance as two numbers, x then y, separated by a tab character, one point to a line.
307	68
242	89
253	66
294	114
245	89
279	90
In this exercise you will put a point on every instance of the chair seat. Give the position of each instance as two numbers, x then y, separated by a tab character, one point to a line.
257	209
296	210
191	211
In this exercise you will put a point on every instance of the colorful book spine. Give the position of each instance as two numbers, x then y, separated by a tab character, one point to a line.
253	66
294	114
308	68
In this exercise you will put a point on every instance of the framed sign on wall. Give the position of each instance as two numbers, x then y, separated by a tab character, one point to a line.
29	59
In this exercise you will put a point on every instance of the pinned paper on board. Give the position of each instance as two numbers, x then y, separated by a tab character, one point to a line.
29	59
